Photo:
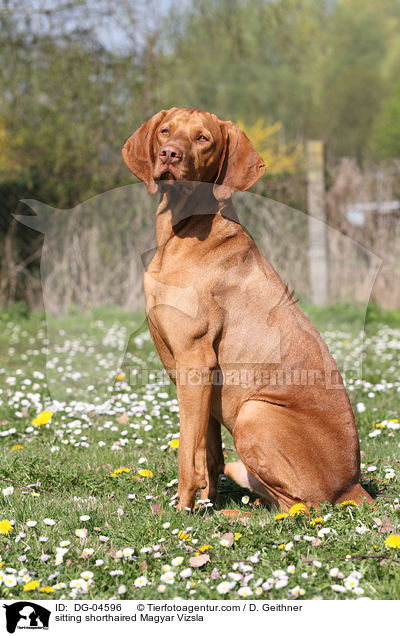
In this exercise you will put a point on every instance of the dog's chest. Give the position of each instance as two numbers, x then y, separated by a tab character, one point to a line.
180	308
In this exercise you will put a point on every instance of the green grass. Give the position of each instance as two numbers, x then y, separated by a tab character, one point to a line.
63	463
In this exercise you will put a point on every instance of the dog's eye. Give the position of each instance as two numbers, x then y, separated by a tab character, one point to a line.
201	138
164	131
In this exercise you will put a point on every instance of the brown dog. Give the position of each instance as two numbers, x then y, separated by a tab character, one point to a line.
216	308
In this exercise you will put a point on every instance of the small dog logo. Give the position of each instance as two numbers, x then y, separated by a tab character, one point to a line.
26	615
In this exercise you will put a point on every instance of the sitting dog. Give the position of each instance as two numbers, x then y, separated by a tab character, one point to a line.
217	308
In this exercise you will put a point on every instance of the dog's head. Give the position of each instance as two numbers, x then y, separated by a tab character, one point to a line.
186	144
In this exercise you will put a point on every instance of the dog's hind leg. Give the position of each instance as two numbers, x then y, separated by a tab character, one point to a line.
240	475
295	457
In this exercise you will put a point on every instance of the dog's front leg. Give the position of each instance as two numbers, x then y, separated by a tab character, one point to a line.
194	387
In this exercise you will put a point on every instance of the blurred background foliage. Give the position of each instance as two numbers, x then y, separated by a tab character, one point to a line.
78	76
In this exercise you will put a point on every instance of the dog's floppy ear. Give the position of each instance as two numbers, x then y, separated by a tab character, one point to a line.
240	166
138	152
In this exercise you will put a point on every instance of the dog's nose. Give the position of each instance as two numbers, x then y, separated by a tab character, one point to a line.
170	154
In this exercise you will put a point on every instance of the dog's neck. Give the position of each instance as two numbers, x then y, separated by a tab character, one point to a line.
177	208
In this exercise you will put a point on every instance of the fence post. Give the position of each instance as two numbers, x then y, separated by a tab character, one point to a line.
318	261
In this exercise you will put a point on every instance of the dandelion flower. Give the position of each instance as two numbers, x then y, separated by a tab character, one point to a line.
43	418
393	541
119	471
313	522
16	447
47	589
281	515
145	472
31	585
297	509
174	443
348	503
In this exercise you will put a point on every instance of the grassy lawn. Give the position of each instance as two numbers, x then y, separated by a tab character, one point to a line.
74	525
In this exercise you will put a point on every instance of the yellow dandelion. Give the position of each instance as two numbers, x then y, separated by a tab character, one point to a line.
31	585
47	589
297	509
237	536
146	473
2	563
174	443
282	546
16	447
393	541
43	418
205	547
120	376
183	536
119	471
5	526
313	522
347	503
281	515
